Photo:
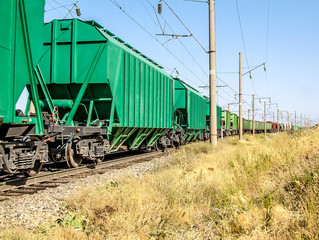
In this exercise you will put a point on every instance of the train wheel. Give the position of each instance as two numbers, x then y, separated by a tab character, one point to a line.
55	157
99	159
33	171
155	147
72	159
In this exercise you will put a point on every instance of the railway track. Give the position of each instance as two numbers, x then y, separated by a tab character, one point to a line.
21	185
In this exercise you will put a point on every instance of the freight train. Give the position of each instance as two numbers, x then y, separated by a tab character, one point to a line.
89	94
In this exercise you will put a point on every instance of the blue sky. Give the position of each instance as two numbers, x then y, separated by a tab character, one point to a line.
291	79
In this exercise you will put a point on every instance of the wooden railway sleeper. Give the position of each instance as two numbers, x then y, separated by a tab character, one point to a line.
45	185
23	191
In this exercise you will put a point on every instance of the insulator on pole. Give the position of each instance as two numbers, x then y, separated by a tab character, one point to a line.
159	7
78	12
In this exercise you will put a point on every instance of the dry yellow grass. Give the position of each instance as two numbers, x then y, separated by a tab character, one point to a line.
254	189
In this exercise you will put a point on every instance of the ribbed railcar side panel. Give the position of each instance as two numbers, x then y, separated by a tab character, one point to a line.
196	111
126	106
219	116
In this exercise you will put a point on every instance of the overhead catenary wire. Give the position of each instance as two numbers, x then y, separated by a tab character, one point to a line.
185	26
267	34
243	39
151	35
267	44
148	13
65	7
226	99
182	44
55	8
70	10
174	69
232	90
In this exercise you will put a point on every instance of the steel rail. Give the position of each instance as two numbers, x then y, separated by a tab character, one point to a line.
51	179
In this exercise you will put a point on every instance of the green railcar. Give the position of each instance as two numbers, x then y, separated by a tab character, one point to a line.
269	127
21	41
95	79
233	123
190	110
226	121
20	49
218	117
247	125
218	112
259	126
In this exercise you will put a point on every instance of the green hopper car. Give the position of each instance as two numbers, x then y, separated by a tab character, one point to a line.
234	123
247	125
95	79
21	41
218	118
190	110
226	122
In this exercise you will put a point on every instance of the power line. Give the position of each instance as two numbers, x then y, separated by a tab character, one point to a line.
267	37
178	74
267	83
149	14
62	6
185	27
242	36
70	10
233	90
193	58
267	43
55	8
151	35
226	99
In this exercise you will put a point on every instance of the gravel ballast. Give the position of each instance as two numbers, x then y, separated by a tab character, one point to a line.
28	211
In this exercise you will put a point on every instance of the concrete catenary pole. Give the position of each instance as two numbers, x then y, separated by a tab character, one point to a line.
212	74
253	114
265	114
278	124
288	119
248	113
295	120
240	101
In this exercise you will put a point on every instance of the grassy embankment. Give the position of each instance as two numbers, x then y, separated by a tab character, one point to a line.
254	189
